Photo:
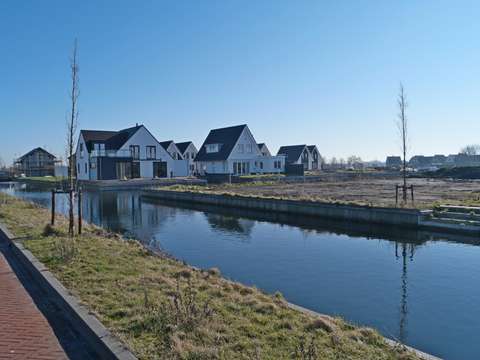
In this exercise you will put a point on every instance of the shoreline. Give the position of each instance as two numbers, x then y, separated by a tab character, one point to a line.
398	217
308	313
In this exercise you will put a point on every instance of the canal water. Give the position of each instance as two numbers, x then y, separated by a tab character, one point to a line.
417	287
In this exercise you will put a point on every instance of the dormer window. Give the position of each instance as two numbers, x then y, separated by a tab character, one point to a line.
212	148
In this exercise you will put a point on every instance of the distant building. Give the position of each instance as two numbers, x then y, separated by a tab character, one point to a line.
233	150
37	162
188	151
316	158
301	154
393	162
420	162
462	160
172	149
264	149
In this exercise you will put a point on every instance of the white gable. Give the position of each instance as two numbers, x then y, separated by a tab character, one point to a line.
143	138
246	146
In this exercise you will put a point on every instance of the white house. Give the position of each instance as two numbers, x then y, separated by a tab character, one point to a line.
309	155
316	158
172	149
124	154
264	149
188	151
233	150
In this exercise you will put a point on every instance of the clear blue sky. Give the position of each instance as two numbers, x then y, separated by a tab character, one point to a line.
316	72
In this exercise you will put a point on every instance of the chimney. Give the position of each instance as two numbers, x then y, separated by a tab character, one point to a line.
136	124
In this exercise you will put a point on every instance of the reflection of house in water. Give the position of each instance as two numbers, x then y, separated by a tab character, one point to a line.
230	224
124	212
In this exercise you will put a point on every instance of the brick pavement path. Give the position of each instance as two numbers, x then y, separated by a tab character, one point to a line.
24	331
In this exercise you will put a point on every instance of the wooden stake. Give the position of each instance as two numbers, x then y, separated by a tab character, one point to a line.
52	221
79	211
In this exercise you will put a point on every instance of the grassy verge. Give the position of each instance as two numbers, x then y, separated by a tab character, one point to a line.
164	309
243	190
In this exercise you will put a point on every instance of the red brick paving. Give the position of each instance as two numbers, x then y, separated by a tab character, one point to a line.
24	332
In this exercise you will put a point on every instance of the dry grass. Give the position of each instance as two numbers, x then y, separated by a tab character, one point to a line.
362	191
163	309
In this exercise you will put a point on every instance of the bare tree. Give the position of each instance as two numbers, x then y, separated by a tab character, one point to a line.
402	124
72	122
471	150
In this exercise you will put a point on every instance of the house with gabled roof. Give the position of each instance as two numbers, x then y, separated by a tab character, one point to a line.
36	162
189	152
316	163
129	153
307	155
233	150
264	149
172	149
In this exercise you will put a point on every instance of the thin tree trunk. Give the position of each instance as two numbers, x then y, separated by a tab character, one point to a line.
403	128
71	130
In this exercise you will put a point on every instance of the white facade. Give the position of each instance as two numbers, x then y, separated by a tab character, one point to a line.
189	155
245	158
82	160
141	148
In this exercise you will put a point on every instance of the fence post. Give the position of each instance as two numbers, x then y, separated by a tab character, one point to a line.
396	194
411	189
52	221
79	211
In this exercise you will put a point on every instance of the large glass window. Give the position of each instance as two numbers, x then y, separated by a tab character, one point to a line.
135	151
151	152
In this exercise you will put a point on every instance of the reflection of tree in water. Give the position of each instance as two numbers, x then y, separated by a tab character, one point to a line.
230	224
407	251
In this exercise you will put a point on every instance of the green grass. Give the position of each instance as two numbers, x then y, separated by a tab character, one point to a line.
163	309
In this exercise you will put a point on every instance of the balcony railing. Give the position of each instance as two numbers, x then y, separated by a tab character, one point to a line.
111	153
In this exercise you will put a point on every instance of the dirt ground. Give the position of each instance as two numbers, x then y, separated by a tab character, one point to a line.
377	192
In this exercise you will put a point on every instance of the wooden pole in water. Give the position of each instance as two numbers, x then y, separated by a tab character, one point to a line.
396	194
411	189
79	211
52	221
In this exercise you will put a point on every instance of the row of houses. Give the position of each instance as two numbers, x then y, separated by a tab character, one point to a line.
421	162
135	153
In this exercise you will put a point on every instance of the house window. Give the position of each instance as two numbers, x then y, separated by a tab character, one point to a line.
261	165
78	168
240	148
81	151
86	168
249	148
135	151
151	152
212	148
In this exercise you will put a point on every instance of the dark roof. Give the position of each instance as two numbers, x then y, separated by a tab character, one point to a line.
35	150
292	152
311	147
113	140
121	137
91	136
260	145
166	144
226	137
183	146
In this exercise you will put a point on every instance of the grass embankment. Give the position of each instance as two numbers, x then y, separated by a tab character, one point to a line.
254	189
429	193
164	309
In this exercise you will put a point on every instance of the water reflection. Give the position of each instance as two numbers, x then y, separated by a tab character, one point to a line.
363	272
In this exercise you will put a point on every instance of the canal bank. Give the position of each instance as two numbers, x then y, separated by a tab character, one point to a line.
410	218
128	287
